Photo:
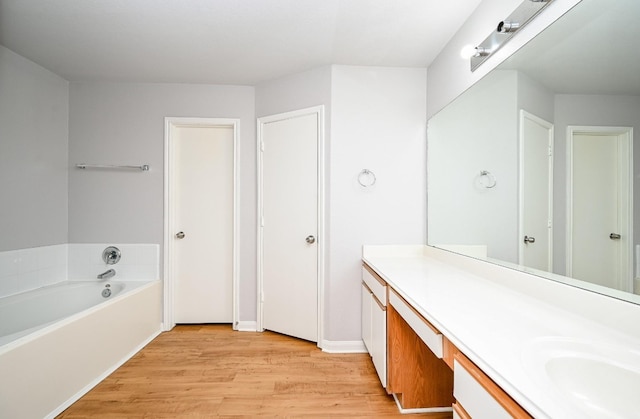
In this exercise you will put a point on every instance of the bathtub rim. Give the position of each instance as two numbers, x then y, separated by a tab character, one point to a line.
57	324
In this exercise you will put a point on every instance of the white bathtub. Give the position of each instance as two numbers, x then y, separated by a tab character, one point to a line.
27	312
59	341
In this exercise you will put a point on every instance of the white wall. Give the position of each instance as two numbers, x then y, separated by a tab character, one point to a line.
378	123
34	115
478	131
296	91
535	98
120	123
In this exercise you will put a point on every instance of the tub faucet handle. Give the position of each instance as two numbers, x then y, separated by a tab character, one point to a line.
111	255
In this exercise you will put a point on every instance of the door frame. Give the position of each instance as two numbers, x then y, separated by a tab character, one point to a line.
169	210
319	112
623	155
550	127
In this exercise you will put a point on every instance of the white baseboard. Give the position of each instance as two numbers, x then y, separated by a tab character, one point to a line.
421	410
343	346
246	326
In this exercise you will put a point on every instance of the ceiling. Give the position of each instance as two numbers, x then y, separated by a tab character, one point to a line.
240	42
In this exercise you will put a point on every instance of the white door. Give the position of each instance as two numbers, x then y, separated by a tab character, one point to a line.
599	241
203	221
536	186
289	224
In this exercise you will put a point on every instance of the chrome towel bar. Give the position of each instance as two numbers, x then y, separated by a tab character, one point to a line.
144	167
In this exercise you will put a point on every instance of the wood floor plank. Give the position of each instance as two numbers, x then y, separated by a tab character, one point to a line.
203	371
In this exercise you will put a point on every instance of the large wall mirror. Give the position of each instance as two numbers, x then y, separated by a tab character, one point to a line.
537	166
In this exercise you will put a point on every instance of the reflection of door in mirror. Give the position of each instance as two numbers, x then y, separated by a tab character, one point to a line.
599	249
536	192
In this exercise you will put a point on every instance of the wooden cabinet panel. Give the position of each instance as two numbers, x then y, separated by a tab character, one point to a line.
417	377
449	351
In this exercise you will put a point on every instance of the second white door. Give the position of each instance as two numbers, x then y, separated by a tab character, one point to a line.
203	257
289	224
600	243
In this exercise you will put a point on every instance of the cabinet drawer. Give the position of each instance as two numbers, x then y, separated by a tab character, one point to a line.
377	286
473	397
479	395
429	334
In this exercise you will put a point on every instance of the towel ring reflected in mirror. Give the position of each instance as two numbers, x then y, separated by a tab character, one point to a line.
366	178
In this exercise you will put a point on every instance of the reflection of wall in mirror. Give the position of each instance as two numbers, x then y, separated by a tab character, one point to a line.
479	131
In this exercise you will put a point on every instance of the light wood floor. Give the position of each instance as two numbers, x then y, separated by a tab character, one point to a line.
211	371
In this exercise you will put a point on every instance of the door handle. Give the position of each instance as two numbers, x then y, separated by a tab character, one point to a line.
614	236
310	239
528	239
180	235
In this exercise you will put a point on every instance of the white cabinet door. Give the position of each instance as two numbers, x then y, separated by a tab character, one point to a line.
366	317
379	340
374	322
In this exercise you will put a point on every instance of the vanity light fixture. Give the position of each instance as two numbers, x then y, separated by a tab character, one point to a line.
527	10
481	52
506	26
467	51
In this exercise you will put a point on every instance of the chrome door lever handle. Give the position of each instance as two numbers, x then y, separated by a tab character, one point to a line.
528	239
615	236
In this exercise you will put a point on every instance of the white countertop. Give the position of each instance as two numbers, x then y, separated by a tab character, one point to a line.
499	317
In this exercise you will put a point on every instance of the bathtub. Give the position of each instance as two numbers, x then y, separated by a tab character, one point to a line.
59	341
27	312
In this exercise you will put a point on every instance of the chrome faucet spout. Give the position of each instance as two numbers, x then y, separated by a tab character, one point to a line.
107	274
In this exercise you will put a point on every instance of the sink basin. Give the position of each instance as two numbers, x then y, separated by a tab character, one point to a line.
599	379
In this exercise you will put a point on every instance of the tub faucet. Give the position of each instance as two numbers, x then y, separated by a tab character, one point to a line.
107	274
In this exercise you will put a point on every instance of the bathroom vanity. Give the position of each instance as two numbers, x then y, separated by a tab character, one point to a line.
449	333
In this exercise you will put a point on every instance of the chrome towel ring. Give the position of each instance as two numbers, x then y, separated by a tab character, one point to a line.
366	178
487	179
